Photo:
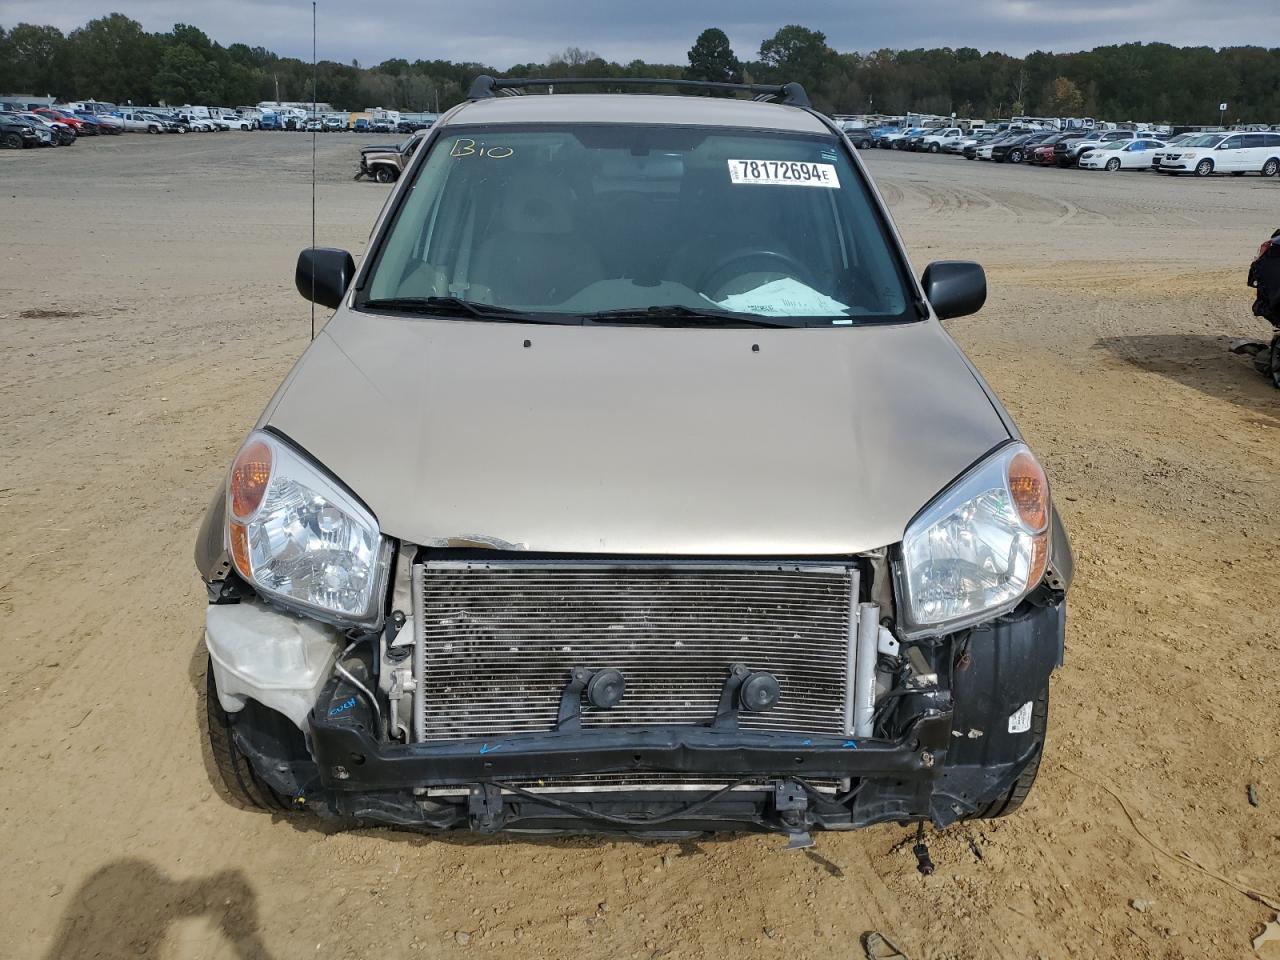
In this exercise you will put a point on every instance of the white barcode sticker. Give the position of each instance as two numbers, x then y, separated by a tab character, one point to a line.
1020	719
784	173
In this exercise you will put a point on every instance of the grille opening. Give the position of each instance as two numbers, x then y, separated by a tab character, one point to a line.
498	640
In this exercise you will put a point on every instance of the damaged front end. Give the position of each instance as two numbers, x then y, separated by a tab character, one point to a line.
655	697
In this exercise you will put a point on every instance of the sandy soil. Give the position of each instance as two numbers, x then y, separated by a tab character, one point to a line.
147	313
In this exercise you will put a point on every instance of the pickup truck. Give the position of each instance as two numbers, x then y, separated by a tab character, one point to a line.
935	140
139	121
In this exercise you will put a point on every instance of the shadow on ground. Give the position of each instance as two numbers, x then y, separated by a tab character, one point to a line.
125	909
1203	363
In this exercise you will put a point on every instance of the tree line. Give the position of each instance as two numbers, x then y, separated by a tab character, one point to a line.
112	58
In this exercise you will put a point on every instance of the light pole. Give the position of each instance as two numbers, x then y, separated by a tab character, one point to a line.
1222	111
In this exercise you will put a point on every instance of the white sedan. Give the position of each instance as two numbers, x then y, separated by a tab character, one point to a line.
1121	155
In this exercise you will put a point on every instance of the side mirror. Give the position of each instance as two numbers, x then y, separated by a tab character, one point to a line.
955	288
323	275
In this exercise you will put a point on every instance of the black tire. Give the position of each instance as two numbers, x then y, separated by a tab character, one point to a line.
1113	165
1204	168
1021	789
934	148
245	787
384	175
1271	167
1275	363
1015	156
11	141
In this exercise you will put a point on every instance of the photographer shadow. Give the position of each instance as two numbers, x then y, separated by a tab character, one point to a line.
125	910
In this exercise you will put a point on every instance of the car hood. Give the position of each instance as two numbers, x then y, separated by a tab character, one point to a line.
638	440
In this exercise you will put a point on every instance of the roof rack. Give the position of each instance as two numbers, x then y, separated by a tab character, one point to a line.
485	86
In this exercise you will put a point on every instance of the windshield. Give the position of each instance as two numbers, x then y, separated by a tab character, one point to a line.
1206	140
581	220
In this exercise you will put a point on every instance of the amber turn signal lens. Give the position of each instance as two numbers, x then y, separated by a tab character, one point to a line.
1030	489
249	477
240	549
1039	558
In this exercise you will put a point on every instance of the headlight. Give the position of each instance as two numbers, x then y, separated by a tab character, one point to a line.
979	548
302	540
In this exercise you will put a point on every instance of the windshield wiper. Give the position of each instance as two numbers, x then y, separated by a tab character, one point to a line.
677	314
457	307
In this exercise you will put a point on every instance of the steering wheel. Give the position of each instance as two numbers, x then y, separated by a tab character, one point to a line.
732	266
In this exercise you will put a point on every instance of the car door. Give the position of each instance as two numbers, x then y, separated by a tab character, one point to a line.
1228	157
1253	152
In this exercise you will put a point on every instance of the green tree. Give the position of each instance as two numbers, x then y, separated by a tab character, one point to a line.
711	58
113	58
39	59
186	77
799	54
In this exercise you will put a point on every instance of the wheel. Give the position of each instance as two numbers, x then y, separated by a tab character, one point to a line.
1015	156
11	141
383	175
934	148
238	776
1204	167
1021	789
1113	164
1275	363
1271	167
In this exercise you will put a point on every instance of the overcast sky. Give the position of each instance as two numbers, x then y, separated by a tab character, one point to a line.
503	32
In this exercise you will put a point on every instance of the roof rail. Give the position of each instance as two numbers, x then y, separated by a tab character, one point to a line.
791	94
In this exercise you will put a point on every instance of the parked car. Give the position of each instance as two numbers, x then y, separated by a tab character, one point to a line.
859	135
560	605
384	162
237	122
109	124
334	124
1014	149
894	141
89	125
1180	140
197	124
1234	153
380	126
1042	153
1264	278
64	117
15	135
61	134
883	136
138	121
44	133
933	141
314	125
1067	152
968	147
1120	155
362	125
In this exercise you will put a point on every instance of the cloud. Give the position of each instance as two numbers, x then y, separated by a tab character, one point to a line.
504	32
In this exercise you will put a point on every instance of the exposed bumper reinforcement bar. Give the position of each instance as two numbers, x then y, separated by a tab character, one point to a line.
351	760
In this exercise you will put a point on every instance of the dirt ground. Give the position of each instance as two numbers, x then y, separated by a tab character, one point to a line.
146	315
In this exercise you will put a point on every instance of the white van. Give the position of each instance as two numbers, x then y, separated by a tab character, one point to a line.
1235	153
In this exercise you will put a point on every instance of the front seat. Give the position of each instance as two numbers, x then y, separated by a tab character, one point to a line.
536	256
